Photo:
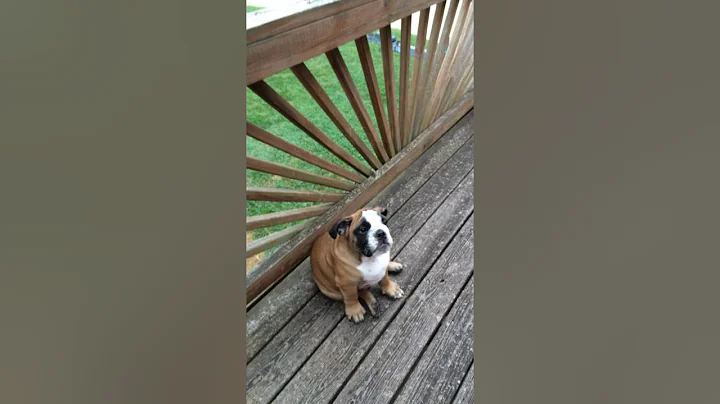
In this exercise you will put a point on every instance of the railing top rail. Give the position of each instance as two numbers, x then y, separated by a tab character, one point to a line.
281	43
267	22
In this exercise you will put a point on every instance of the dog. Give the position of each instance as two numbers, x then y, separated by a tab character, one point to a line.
353	256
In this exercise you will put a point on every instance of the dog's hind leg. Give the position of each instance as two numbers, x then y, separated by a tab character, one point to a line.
369	299
331	294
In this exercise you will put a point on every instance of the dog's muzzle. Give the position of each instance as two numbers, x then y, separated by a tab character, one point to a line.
382	244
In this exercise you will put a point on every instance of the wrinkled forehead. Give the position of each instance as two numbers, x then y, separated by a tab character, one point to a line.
372	217
369	216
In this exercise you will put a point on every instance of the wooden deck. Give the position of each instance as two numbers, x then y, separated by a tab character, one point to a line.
419	349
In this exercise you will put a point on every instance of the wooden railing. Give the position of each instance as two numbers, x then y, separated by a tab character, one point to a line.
419	107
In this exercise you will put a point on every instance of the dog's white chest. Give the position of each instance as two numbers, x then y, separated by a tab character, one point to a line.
373	268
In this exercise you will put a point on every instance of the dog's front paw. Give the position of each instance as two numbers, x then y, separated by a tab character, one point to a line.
395	267
393	290
355	313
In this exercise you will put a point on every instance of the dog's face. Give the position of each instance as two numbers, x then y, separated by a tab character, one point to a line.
366	230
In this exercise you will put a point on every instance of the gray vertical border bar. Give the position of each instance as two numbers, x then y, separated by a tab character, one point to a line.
122	202
597	166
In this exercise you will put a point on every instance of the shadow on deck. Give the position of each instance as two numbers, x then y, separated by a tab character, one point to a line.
419	349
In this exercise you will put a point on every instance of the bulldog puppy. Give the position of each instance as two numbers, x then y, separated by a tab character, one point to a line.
353	256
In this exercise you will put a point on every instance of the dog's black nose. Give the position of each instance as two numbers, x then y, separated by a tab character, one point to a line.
380	234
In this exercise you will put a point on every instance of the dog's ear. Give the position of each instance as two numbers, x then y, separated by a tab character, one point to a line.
340	228
383	213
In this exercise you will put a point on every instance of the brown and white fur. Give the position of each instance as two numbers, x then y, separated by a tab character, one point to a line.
353	256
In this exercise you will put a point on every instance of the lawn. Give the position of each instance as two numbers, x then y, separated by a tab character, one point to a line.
397	33
264	116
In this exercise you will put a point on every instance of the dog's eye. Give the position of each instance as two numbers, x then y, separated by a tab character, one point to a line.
363	230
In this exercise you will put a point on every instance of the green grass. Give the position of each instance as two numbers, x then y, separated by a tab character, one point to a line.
250	9
264	116
397	33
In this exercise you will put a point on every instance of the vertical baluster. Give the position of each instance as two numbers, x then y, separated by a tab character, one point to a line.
444	72
437	62
308	81
269	139
417	67
460	63
390	93
404	70
264	91
424	84
348	85
366	61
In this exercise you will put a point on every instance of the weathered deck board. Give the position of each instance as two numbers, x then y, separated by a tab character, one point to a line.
270	314
325	372
433	192
384	369
465	393
442	367
275	364
278	361
399	191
